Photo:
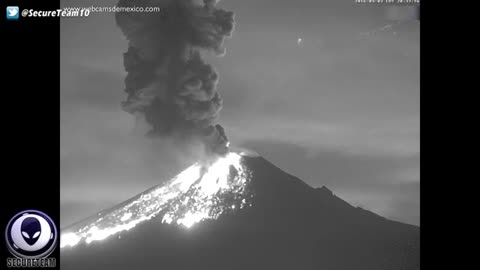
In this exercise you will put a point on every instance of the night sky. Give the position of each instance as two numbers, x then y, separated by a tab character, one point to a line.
340	108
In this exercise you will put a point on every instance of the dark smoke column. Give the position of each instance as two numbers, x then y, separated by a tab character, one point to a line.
169	85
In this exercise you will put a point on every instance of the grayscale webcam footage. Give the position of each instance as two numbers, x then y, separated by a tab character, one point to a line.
240	134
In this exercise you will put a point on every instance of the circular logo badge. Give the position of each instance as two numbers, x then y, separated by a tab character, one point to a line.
31	234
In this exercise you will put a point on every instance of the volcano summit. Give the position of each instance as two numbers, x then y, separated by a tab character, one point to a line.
244	214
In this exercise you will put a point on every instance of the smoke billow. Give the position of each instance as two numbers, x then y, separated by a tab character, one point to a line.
169	85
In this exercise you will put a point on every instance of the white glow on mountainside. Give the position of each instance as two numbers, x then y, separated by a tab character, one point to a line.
198	193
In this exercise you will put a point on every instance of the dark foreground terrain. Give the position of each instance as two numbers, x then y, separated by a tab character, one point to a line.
290	226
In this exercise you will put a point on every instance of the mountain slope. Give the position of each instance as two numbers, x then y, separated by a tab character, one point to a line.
289	226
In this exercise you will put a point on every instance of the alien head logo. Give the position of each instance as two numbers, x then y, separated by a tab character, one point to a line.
31	230
31	234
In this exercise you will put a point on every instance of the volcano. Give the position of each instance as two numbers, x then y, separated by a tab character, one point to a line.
259	217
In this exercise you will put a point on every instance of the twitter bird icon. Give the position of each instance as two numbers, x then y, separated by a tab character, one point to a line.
12	13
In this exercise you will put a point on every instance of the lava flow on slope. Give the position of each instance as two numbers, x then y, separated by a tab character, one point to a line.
200	192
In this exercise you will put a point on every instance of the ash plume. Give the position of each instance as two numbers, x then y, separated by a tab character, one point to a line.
169	85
